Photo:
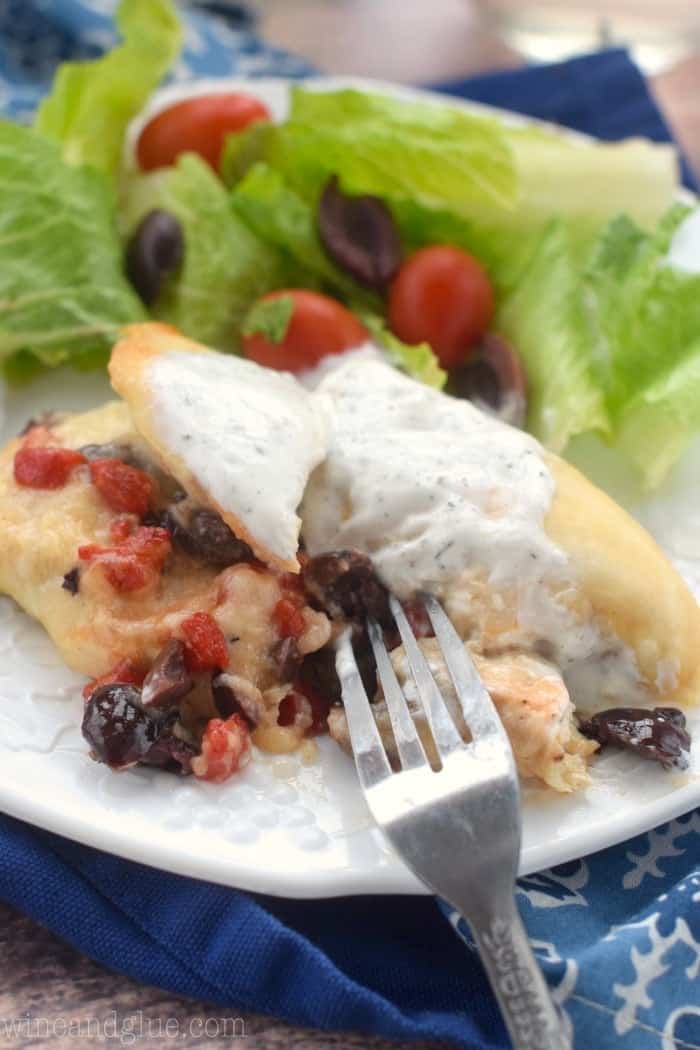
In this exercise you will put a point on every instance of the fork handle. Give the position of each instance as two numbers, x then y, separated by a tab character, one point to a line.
532	1019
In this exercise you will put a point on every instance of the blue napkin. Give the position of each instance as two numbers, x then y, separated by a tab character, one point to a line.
618	934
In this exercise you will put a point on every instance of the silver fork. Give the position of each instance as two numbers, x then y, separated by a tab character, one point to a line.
457	828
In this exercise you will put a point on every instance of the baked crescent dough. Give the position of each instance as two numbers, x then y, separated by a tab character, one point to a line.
630	586
239	438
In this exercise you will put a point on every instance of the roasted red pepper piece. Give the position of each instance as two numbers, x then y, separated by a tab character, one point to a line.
225	748
133	563
45	466
125	489
205	645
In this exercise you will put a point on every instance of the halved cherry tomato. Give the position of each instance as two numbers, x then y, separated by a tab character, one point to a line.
443	296
318	326
196	125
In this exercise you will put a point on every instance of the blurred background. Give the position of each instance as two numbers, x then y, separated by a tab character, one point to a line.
419	41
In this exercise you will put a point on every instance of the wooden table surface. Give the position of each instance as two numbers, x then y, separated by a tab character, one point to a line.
45	986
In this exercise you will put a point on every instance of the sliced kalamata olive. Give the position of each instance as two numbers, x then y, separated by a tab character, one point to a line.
236	696
154	251
170	752
318	673
112	450
204	535
360	235
117	728
658	734
344	585
168	679
493	378
71	581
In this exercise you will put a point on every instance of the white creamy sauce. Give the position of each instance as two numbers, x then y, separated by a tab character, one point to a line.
248	435
426	484
429	486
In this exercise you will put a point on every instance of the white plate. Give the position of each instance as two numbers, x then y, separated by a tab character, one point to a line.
283	827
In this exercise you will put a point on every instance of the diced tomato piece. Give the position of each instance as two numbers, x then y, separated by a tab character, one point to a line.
288	619
45	466
127	671
225	749
126	489
133	563
205	645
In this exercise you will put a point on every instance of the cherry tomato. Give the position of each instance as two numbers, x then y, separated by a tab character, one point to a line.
45	466
318	326
442	296
196	125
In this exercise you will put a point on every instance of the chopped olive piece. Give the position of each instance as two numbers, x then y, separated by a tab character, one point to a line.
71	581
344	585
658	733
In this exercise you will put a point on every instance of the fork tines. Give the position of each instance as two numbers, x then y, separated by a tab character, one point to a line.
478	710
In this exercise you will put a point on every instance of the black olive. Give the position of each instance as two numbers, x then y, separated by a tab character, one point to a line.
168	679
344	585
204	535
658	733
493	378
154	251
71	581
117	728
360	235
170	751
112	450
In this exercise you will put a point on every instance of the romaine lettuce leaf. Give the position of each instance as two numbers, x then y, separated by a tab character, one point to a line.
438	156
63	294
226	267
590	181
544	318
645	319
417	360
91	103
281	218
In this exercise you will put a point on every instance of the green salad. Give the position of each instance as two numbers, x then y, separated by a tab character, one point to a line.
456	240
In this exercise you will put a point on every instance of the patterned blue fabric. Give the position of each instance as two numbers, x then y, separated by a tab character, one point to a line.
618	933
